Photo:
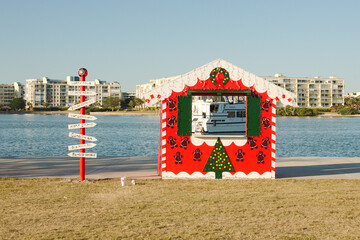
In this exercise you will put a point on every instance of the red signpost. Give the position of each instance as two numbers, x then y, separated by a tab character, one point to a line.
82	125
82	73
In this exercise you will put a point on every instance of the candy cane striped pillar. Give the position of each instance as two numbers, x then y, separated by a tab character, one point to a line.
163	137
273	137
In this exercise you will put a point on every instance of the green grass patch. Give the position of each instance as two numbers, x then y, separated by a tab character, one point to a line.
179	209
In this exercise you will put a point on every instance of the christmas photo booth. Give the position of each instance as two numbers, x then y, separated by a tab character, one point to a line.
218	121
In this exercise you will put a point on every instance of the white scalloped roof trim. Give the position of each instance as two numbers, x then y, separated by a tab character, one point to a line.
211	175
236	73
226	141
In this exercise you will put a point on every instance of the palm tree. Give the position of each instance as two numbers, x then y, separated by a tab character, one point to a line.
30	106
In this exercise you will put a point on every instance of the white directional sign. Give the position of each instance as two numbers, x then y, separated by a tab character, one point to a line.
81	146
80	116
83	104
81	83
80	136
88	155
79	93
81	125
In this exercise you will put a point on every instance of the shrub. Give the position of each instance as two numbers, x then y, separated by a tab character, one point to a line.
322	109
300	111
50	108
347	110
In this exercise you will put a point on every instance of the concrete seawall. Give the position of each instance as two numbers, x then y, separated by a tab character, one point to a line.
145	167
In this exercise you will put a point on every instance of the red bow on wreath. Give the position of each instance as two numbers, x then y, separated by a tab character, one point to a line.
219	76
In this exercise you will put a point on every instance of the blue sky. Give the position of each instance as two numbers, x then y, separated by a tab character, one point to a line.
134	41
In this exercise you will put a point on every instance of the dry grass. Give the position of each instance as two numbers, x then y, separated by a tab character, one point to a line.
180	209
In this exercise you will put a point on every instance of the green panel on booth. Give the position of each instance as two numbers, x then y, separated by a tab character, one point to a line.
184	116
253	116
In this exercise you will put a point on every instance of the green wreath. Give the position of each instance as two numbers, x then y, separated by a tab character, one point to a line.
219	82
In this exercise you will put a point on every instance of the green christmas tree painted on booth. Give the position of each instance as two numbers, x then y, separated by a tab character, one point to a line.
219	161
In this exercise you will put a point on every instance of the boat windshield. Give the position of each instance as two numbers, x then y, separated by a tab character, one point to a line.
214	108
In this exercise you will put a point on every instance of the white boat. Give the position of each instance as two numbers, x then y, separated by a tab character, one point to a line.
226	118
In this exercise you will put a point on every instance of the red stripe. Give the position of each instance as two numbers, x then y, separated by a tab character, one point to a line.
273	150
273	124
273	114
163	169
273	169
163	161
272	159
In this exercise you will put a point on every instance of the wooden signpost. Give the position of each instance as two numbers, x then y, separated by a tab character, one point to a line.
79	136
82	104
81	83
81	93
81	146
79	116
82	125
88	155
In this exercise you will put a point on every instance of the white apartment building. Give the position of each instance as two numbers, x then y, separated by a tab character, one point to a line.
128	95
143	88
312	92
10	91
104	90
55	92
353	94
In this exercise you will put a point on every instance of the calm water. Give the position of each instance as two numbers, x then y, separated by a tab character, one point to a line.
47	135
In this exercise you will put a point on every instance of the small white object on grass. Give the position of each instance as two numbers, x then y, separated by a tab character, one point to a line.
123	181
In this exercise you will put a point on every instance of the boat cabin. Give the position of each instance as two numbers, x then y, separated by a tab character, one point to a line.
218	121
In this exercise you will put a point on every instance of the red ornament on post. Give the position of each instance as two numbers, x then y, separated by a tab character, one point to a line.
83	72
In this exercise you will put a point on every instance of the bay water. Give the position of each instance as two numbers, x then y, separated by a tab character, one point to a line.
47	135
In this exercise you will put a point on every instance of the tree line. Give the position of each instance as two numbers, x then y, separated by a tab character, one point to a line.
351	106
109	103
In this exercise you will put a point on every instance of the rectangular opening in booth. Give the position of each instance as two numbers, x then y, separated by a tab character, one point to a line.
218	115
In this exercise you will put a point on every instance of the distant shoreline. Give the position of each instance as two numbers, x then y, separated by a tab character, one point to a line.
152	113
115	113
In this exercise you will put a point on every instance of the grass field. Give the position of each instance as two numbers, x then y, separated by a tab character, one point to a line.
179	209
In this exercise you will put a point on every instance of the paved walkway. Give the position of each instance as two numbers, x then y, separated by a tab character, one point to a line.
111	167
318	167
145	167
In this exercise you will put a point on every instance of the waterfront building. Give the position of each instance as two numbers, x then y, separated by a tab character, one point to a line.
10	91
353	94
312	92
154	83
128	95
104	90
54	93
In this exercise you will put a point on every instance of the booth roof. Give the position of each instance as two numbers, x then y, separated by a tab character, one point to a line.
235	73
